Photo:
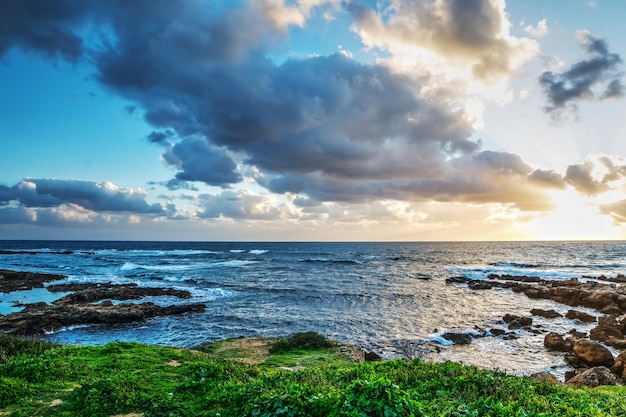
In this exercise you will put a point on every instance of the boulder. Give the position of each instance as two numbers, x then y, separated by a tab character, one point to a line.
609	330
458	338
620	363
593	353
549	314
555	342
580	315
544	377
593	377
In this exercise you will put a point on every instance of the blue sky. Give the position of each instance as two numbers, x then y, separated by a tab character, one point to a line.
312	120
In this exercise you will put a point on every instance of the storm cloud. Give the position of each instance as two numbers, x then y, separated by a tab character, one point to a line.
321	128
594	79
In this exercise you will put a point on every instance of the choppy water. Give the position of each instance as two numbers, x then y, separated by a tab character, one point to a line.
382	296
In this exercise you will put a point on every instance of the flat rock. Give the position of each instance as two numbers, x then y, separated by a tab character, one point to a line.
11	281
548	314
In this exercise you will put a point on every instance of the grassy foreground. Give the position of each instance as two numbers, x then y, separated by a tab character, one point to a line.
129	379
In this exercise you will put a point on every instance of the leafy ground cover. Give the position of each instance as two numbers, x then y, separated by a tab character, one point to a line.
129	379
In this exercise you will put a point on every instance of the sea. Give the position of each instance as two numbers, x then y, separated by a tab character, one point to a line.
389	298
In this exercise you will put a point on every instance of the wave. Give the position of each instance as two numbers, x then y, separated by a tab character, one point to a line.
237	250
258	251
149	252
326	260
514	265
483	273
130	266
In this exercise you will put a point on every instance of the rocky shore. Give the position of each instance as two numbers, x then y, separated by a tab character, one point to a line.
85	304
588	353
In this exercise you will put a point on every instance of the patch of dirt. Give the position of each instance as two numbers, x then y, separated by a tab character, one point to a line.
251	351
173	363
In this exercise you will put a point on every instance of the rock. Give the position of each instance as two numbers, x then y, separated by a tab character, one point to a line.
593	377
479	285
40	317
20	281
555	342
620	363
497	332
549	314
544	377
516	322
574	360
577	334
372	357
88	293
609	330
571	374
458	338
579	315
593	353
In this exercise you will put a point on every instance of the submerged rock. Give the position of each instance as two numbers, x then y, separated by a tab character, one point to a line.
549	314
580	315
458	338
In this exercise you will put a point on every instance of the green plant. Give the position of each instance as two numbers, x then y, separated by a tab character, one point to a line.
301	341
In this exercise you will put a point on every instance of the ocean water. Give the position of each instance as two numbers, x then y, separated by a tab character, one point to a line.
390	298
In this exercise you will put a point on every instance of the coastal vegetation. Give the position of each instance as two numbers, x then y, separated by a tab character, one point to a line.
301	375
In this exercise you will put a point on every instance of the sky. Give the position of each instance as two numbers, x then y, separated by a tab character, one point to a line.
312	120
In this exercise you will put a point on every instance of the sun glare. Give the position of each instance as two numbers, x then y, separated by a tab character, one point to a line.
574	218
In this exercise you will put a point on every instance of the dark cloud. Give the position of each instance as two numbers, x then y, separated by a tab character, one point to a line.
596	78
547	179
94	196
580	176
326	128
44	27
200	161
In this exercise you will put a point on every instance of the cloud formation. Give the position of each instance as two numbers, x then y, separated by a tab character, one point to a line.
87	195
463	33
594	79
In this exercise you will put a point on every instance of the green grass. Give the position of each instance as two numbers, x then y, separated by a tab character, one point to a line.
120	378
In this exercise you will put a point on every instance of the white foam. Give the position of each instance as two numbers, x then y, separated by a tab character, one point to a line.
258	251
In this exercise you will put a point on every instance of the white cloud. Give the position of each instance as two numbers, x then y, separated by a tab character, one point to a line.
538	31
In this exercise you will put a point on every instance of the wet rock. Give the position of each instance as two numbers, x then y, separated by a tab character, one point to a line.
593	353
41	317
517	322
497	332
610	330
619	365
458	338
580	315
20	281
577	334
544	377
479	285
555	342
571	374
549	314
593	377
574	360
88	293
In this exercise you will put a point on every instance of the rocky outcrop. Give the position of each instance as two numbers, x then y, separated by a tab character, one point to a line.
88	293
40	317
20	281
593	377
517	322
592	353
86	304
619	367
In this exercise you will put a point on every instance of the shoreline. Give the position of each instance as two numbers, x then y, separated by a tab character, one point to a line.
87	304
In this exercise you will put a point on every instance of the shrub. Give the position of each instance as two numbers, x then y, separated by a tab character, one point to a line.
12	346
301	341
